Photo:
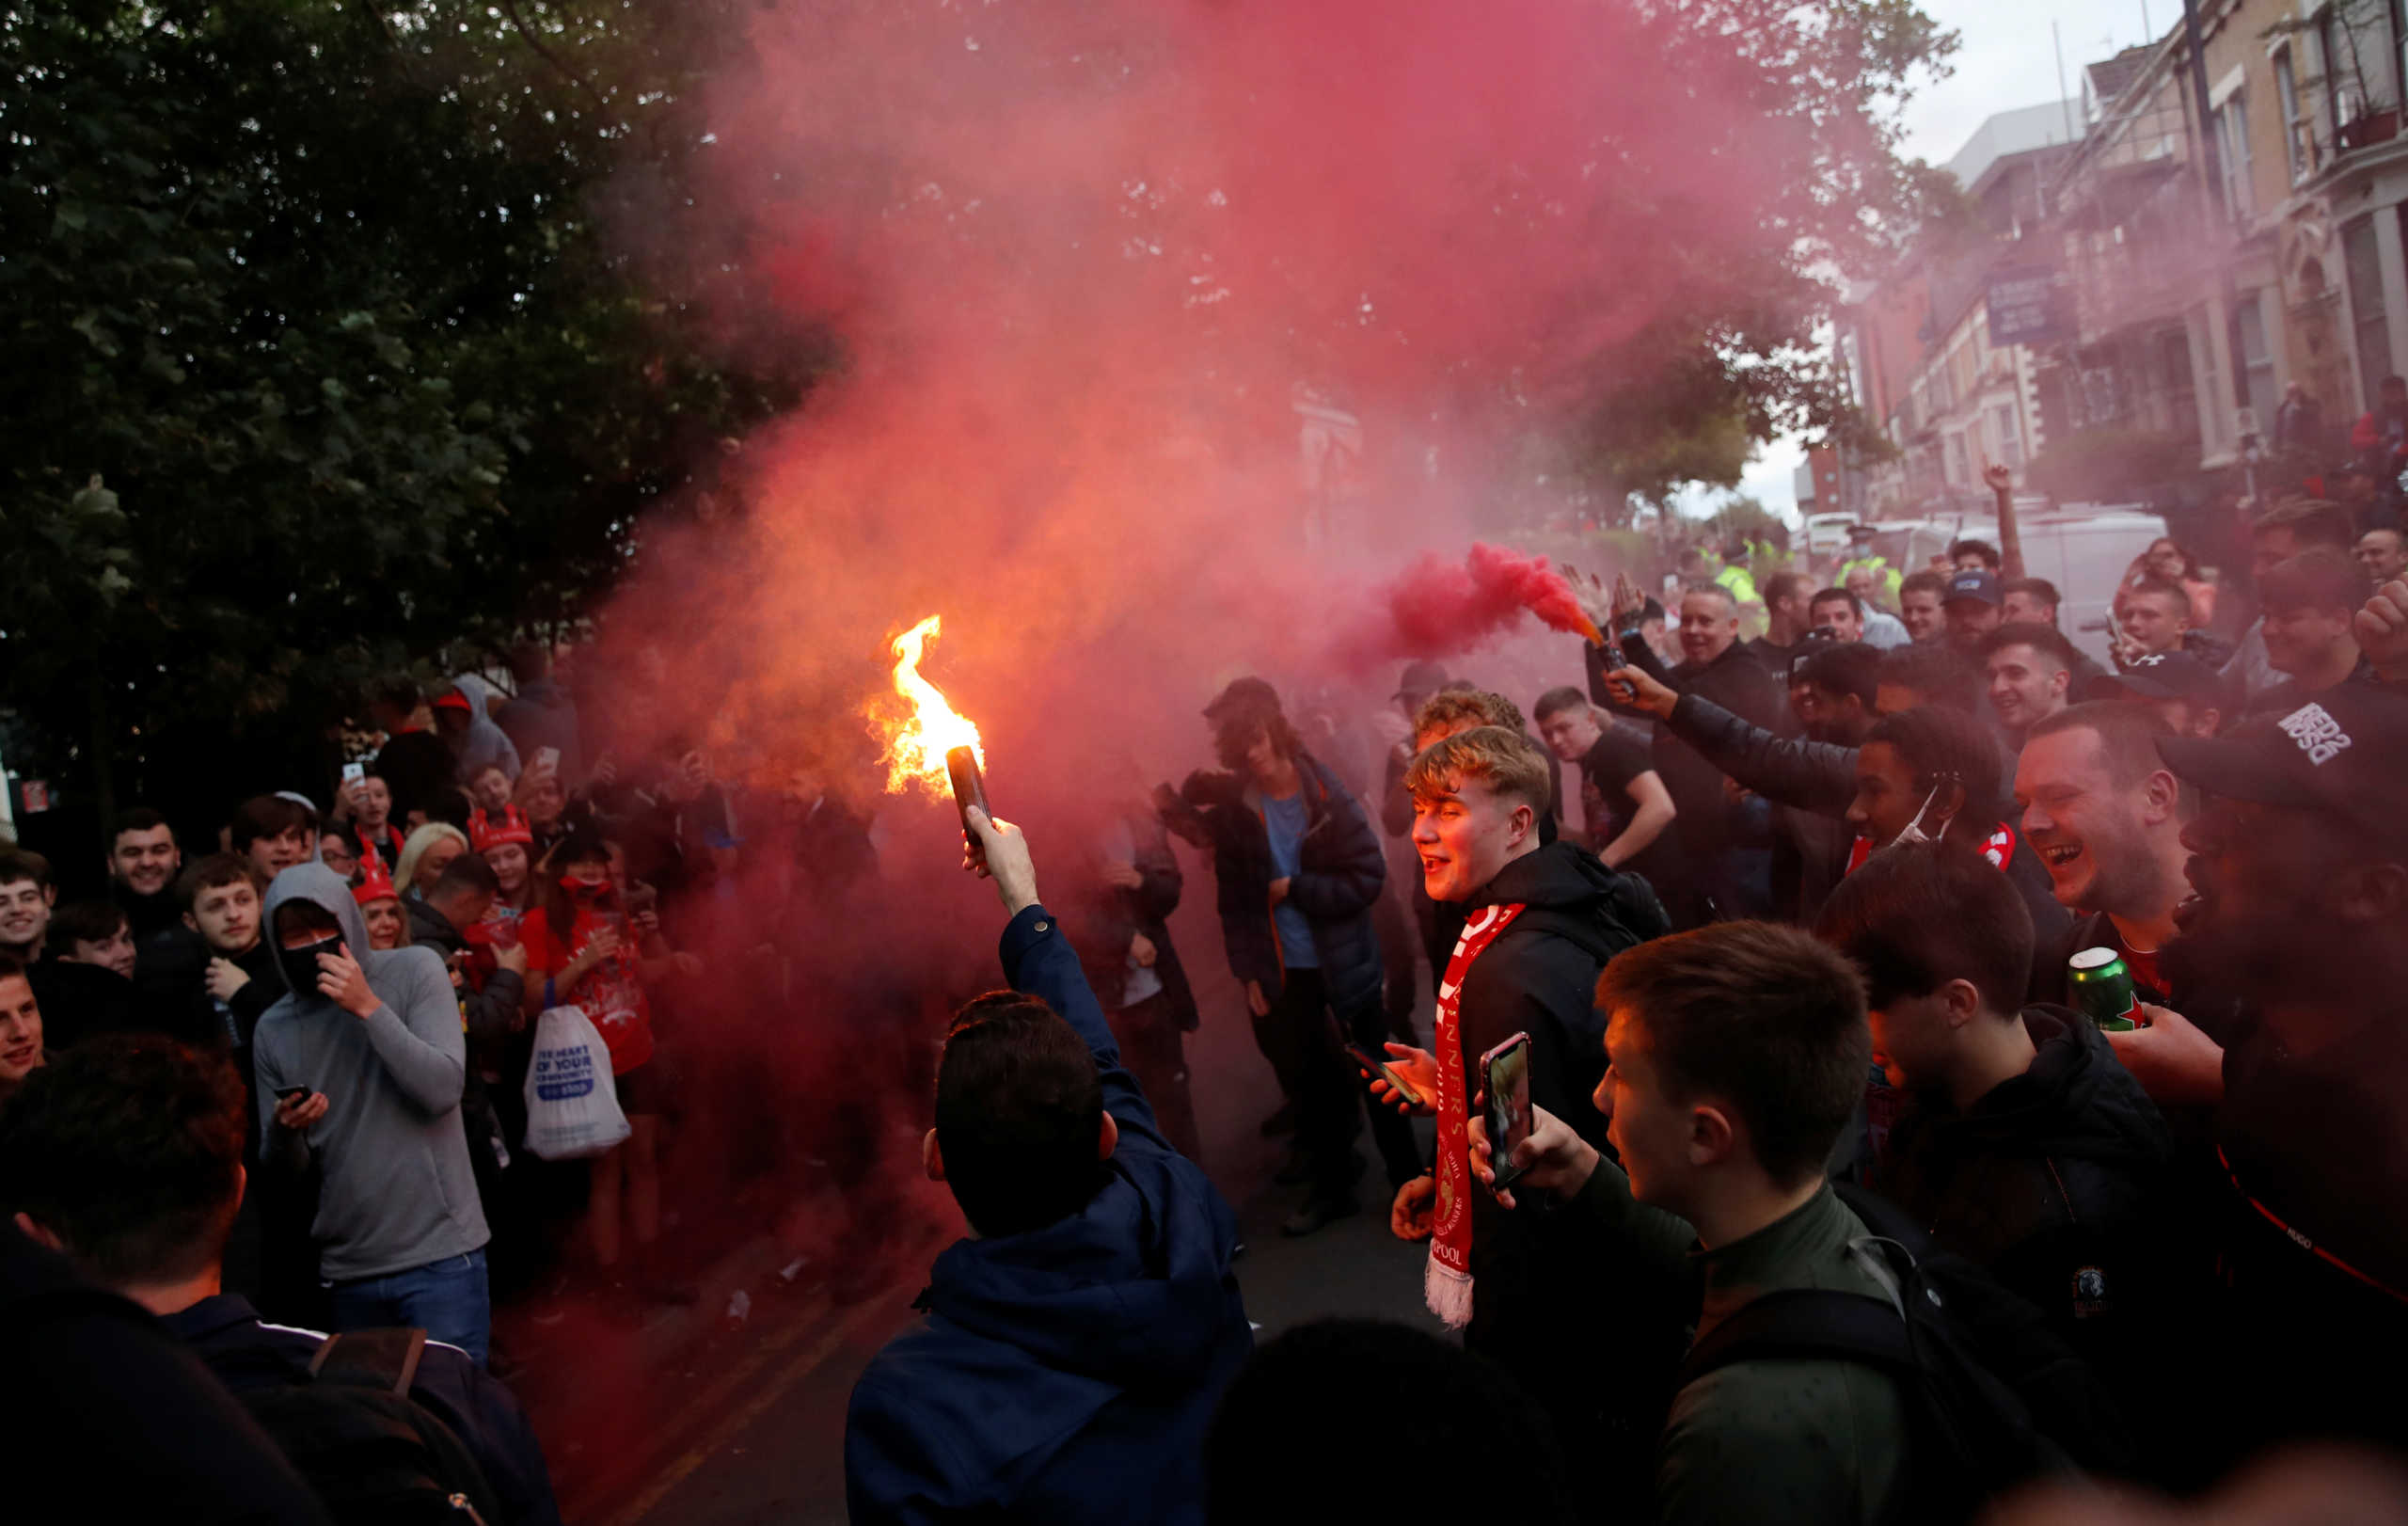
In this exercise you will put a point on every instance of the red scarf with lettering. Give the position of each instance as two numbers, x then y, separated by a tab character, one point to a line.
1998	848
1446	1283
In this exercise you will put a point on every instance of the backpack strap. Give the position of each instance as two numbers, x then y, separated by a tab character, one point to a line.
1805	1323
385	1360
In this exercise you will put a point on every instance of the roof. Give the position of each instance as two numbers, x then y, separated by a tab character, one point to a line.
2111	77
2006	134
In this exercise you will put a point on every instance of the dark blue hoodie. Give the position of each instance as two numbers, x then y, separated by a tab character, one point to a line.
1065	1375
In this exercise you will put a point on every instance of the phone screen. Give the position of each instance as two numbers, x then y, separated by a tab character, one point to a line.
1507	1073
1370	1064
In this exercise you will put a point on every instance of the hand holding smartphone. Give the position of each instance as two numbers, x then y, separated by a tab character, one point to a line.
1505	1072
1380	1070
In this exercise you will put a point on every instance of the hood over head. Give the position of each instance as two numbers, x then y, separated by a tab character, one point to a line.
315	883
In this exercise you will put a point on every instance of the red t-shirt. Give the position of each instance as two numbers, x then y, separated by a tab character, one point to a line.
611	994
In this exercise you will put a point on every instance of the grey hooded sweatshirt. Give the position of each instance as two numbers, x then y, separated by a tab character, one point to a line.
397	1188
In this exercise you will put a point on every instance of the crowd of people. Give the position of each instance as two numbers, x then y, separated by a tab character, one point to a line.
1773	1149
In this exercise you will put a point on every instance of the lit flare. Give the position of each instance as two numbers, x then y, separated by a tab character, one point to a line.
915	747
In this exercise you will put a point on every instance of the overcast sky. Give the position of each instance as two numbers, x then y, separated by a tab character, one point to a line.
2007	58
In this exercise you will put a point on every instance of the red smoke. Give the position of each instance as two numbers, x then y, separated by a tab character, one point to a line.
1442	609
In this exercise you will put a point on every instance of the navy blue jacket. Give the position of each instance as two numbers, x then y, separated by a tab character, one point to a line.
245	1352
1065	1375
1340	871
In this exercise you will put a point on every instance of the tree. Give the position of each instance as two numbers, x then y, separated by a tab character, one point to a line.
319	361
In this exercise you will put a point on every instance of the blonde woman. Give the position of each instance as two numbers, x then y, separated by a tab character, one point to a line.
425	853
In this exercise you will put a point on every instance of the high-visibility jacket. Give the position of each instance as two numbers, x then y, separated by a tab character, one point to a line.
1886	576
1735	581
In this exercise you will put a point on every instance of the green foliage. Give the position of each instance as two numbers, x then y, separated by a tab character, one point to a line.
321	295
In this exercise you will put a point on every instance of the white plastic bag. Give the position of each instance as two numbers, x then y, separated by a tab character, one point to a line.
572	1099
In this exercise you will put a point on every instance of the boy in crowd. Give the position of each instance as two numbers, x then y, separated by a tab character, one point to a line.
1543	919
376	1038
274	833
127	1157
93	932
217	967
1623	806
1078	1340
78	997
2310	604
1736	1055
2024	1145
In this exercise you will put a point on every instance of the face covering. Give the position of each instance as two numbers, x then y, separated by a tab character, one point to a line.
301	965
1914	830
584	890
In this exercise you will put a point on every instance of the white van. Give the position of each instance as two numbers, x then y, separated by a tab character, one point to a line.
2083	549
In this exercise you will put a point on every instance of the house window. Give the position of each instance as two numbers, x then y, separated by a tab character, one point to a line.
2299	133
2362	271
2232	156
2256	360
1957	471
2010	437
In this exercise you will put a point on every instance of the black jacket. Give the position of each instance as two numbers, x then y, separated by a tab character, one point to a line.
172	967
126	1422
1106	919
493	1013
417	766
2053	1180
146	914
1736	683
226	1333
80	1001
1552	1310
1339	875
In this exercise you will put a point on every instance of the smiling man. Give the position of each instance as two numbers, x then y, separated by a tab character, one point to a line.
1543	923
143	862
26	897
2105	814
2029	670
2309	602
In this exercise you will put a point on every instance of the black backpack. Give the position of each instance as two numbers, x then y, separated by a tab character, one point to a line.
374	1454
1995	1397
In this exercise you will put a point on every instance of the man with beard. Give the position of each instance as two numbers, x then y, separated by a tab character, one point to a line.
1731	875
1543	922
1972	610
2299	874
2105	814
143	862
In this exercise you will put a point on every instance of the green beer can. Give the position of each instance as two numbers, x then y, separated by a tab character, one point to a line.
2102	987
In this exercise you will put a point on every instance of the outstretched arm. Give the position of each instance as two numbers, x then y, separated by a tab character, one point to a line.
1039	962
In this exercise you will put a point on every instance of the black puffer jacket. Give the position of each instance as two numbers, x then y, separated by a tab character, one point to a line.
2053	1180
1340	871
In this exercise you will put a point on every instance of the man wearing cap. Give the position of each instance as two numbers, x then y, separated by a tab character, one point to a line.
2187	694
1298	868
1860	554
2309	602
2299	874
1972	609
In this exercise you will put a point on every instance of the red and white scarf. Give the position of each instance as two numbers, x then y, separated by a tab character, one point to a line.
1446	1283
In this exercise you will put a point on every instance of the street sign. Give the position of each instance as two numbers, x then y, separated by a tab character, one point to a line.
2030	305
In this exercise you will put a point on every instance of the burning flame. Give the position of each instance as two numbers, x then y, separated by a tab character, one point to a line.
916	746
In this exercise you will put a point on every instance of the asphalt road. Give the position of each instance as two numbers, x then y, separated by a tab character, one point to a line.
750	1429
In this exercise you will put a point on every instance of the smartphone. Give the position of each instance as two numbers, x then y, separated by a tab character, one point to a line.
288	1093
354	773
547	757
1505	1072
1372	1065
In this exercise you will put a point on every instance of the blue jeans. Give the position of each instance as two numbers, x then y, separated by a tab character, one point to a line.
446	1298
